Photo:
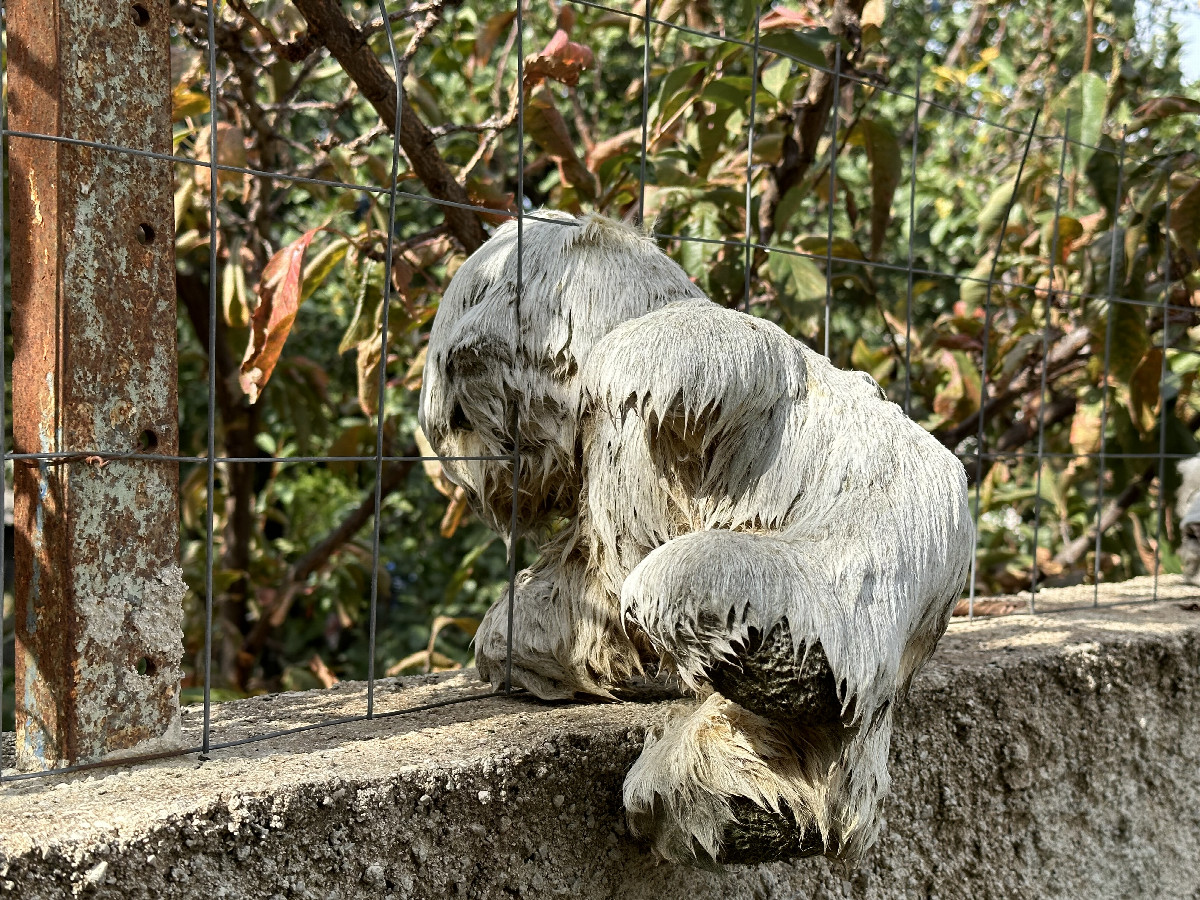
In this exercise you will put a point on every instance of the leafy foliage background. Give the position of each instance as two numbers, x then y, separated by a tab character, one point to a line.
915	238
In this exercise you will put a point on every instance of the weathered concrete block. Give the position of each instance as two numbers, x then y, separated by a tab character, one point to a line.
1054	756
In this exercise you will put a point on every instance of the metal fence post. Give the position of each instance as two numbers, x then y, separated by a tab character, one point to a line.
98	585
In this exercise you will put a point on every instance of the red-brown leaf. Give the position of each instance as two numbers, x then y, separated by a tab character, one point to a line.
789	19
566	62
278	300
545	124
491	33
486	192
986	608
561	59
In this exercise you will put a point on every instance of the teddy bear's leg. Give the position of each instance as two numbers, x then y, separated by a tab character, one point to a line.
567	639
721	784
799	762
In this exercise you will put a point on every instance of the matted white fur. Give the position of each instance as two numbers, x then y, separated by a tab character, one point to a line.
1187	506
700	475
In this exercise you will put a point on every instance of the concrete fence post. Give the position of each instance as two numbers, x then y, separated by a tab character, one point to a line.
98	585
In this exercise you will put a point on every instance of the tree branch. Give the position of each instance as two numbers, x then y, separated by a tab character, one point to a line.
807	123
328	24
1113	512
1022	432
1116	509
1062	355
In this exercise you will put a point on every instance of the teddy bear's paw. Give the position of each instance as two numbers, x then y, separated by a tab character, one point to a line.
544	670
554	655
548	681
723	785
769	678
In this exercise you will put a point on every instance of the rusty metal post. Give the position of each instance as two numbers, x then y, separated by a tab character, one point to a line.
98	585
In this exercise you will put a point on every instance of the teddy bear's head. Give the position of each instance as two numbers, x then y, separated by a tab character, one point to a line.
511	337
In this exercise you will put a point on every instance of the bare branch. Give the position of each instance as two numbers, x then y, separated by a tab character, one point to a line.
432	18
492	123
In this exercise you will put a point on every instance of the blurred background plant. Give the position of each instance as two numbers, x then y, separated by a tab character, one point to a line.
306	91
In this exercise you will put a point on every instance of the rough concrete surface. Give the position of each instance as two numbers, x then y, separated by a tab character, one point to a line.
1038	756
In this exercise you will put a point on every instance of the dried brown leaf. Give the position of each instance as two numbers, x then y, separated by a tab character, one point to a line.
986	608
455	510
324	674
278	300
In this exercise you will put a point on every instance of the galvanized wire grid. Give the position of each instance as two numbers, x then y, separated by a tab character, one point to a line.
979	455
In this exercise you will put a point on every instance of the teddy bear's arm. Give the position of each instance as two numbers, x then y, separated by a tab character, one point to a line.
694	362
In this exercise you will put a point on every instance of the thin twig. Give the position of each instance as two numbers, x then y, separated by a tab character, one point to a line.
416	10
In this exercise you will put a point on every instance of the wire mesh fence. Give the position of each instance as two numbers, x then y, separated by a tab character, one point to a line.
994	342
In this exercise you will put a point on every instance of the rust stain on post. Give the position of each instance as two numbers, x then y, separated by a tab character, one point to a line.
98	585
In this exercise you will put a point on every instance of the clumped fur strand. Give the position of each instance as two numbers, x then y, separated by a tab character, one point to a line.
698	477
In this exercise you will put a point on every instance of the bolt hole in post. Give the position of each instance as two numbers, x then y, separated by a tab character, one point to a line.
141	15
145	234
147	440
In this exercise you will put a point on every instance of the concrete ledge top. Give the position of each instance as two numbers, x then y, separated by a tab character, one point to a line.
481	768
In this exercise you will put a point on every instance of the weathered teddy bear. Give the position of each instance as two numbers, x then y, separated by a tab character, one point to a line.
713	498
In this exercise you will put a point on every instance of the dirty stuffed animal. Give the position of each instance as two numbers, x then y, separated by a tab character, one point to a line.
710	497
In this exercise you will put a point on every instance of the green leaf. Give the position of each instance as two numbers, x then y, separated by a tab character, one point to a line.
1185	217
696	256
992	214
711	136
1143	391
1059	239
186	102
876	362
675	90
789	205
1101	172
806	279
325	262
883	154
464	570
1085	428
843	248
733	90
723	92
1129	340
959	396
972	291
802	285
803	46
1086	97
366	307
775	76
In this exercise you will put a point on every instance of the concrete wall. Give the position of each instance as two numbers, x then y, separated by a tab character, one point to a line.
1048	756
